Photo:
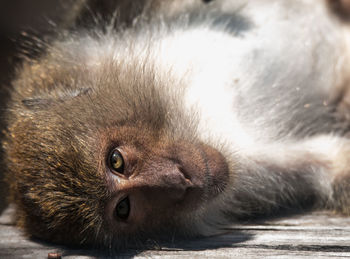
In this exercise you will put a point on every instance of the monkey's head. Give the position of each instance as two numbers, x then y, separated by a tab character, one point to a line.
99	153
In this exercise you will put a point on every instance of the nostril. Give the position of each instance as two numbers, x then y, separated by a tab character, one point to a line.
184	172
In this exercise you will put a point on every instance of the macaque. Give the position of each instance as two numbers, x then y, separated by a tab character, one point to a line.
195	115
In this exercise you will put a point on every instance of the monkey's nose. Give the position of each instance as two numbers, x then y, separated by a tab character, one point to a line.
167	183
177	178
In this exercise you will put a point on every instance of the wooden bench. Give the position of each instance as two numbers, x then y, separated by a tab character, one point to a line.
318	234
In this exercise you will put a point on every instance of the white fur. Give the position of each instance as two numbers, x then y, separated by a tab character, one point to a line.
218	65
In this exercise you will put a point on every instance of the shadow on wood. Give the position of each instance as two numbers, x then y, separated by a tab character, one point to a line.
311	235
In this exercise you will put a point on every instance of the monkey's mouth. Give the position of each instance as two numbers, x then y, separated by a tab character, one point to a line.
207	175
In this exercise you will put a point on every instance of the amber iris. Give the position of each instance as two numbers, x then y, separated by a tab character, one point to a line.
116	161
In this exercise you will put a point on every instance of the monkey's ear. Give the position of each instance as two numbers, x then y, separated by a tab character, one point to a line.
36	103
42	102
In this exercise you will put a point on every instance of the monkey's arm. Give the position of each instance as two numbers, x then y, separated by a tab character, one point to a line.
293	175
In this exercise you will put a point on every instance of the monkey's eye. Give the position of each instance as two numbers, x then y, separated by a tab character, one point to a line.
116	161
123	209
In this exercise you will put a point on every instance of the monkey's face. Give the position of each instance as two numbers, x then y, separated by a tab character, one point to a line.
108	160
153	180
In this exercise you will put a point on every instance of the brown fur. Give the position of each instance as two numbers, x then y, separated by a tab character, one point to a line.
341	8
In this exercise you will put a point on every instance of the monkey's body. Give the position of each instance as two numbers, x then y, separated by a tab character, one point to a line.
220	114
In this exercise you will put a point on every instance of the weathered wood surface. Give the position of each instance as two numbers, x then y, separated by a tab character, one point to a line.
319	234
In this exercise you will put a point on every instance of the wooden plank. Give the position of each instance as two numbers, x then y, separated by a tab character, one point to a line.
319	234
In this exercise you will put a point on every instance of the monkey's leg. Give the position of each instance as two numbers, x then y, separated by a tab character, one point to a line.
313	172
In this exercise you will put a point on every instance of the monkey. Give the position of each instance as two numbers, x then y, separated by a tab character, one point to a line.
197	115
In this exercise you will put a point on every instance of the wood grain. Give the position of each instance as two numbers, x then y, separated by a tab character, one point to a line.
318	234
